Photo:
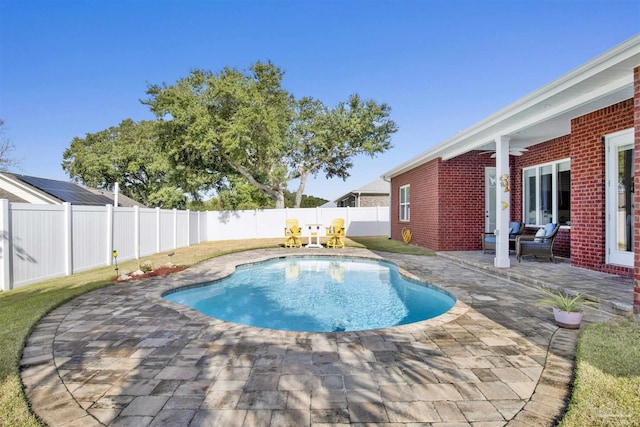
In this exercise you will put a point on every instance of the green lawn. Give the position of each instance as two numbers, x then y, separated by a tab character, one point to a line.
607	387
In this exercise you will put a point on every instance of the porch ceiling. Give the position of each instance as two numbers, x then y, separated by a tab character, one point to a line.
547	112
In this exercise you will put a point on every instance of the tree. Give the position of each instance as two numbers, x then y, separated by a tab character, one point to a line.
6	147
129	154
305	202
328	139
247	124
231	122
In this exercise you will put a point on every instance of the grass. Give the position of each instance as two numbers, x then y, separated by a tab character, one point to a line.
379	243
607	384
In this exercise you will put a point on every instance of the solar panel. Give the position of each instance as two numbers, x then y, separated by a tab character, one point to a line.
66	191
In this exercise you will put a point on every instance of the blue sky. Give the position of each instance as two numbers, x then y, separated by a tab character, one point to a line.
68	68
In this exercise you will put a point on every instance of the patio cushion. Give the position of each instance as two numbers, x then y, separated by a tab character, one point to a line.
548	228
515	227
489	238
539	234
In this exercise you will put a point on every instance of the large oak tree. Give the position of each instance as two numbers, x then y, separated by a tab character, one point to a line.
130	154
246	123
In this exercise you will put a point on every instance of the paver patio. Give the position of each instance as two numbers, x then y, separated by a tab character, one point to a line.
124	356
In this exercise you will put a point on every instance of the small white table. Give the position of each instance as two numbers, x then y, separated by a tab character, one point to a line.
313	234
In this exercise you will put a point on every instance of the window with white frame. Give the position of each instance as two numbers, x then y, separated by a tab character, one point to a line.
546	193
404	203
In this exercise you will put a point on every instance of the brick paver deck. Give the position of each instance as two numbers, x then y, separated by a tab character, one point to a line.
123	356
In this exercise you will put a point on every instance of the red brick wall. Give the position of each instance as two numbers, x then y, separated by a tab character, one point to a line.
636	231
588	184
462	201
549	151
447	203
423	181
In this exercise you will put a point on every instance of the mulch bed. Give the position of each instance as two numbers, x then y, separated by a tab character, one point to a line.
160	271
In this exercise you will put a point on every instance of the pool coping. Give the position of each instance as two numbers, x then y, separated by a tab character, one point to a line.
452	313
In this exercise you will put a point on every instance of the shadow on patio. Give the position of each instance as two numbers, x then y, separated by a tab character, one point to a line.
614	294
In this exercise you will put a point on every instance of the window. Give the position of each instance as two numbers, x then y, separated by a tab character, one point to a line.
404	203
547	193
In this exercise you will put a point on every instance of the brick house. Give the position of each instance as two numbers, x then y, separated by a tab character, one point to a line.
562	154
373	194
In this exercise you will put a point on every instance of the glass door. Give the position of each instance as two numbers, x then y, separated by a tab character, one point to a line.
620	191
489	200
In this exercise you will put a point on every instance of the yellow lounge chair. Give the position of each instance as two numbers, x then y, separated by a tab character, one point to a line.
292	231
335	233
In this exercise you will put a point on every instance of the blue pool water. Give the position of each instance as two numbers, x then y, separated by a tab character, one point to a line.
320	294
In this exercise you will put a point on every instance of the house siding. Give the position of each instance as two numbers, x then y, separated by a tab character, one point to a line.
423	199
368	201
447	203
588	192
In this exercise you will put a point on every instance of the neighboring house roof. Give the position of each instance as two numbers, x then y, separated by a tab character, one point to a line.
123	201
329	204
376	187
547	112
30	189
11	197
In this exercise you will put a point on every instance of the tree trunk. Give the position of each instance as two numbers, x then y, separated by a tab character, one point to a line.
279	196
303	183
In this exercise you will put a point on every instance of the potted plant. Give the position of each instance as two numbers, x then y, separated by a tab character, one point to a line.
567	309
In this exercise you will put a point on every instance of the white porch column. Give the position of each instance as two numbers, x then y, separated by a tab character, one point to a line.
503	200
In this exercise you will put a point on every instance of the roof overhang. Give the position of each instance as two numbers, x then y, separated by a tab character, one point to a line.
547	112
26	191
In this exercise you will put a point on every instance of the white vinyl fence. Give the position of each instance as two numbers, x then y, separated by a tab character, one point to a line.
40	242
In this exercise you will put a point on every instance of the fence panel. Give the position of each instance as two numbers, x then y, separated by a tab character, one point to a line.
148	231
366	222
166	230
38	236
204	226
89	225
124	233
182	223
48	241
228	225
193	230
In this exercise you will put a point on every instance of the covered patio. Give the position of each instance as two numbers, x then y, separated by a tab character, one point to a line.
563	154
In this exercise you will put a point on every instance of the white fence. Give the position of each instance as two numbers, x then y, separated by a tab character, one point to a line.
40	242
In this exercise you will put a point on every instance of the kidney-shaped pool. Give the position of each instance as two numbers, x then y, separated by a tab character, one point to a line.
320	294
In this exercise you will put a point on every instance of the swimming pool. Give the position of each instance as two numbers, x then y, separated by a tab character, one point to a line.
319	294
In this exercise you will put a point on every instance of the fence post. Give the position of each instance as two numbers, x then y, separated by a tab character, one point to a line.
68	239
347	222
6	252
158	230
136	231
199	239
175	228
109	213
188	227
